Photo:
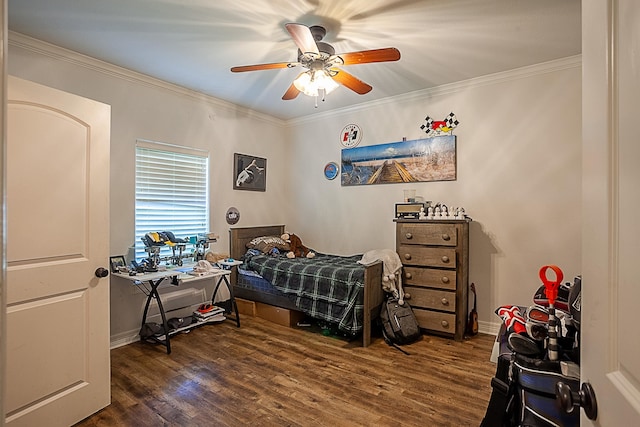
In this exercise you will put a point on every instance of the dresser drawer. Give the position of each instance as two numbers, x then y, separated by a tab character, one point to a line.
433	234
433	278
430	257
431	298
436	321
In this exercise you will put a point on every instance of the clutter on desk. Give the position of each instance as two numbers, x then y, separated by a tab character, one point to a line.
202	241
214	257
118	264
203	268
155	241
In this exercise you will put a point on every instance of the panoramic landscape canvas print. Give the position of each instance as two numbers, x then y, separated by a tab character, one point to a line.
420	160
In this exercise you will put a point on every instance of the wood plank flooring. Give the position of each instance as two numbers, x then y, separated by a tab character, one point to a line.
263	374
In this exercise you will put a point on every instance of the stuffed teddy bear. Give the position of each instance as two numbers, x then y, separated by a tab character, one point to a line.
297	249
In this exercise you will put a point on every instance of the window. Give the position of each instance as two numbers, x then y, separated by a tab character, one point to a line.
171	192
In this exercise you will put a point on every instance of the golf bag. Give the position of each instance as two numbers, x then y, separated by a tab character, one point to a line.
524	393
524	387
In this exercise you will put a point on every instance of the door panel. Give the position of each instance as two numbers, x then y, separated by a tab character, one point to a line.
628	231
56	190
56	367
57	235
611	201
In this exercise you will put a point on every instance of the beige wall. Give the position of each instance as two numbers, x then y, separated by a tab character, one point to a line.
144	109
518	177
518	166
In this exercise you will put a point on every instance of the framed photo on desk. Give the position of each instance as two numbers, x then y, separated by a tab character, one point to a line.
116	262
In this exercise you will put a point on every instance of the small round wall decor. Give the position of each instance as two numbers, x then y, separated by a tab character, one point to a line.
331	170
350	136
232	216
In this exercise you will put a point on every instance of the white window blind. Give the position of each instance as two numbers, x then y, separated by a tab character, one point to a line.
171	192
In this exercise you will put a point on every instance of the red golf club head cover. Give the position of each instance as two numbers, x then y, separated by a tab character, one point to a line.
512	318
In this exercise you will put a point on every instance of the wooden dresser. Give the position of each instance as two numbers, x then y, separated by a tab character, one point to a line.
435	258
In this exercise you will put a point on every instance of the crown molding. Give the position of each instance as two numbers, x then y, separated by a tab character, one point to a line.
451	88
47	49
40	47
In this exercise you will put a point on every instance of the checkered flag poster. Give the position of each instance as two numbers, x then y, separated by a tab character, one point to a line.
426	126
451	121
440	127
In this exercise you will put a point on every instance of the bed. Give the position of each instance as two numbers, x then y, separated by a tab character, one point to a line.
353	308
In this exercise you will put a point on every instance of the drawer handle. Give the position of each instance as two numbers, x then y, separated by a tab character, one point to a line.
409	236
444	301
408	275
444	324
407	256
445	259
445	279
446	237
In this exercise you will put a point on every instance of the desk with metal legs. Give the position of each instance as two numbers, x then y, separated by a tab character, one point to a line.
148	283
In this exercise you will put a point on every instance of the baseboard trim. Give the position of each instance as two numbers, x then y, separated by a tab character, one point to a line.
490	328
124	338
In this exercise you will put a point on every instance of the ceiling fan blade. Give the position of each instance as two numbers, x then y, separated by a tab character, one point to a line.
291	93
301	35
258	67
351	82
368	56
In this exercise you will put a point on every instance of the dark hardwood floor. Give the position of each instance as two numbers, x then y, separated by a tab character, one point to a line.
263	374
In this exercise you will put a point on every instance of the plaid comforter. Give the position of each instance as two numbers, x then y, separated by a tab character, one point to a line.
327	287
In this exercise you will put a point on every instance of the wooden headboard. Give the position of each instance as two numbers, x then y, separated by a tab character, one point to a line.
239	237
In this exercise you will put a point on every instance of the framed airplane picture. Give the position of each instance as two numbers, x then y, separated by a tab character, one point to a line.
249	172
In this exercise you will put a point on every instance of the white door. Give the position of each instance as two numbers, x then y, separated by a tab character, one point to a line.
57	178
610	349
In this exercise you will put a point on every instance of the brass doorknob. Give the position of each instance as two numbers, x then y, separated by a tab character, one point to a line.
101	272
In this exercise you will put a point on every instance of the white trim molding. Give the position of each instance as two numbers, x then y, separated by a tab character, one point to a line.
56	52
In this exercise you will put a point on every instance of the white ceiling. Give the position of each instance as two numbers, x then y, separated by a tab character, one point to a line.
194	43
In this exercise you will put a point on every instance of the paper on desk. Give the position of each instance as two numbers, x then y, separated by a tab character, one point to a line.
203	268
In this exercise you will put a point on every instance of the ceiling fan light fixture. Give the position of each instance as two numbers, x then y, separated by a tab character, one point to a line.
314	82
322	74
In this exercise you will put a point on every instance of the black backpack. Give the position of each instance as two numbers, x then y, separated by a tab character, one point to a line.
399	324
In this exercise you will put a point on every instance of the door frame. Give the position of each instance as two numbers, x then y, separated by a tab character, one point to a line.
3	261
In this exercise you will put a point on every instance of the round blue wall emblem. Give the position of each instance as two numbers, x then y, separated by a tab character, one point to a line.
331	170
